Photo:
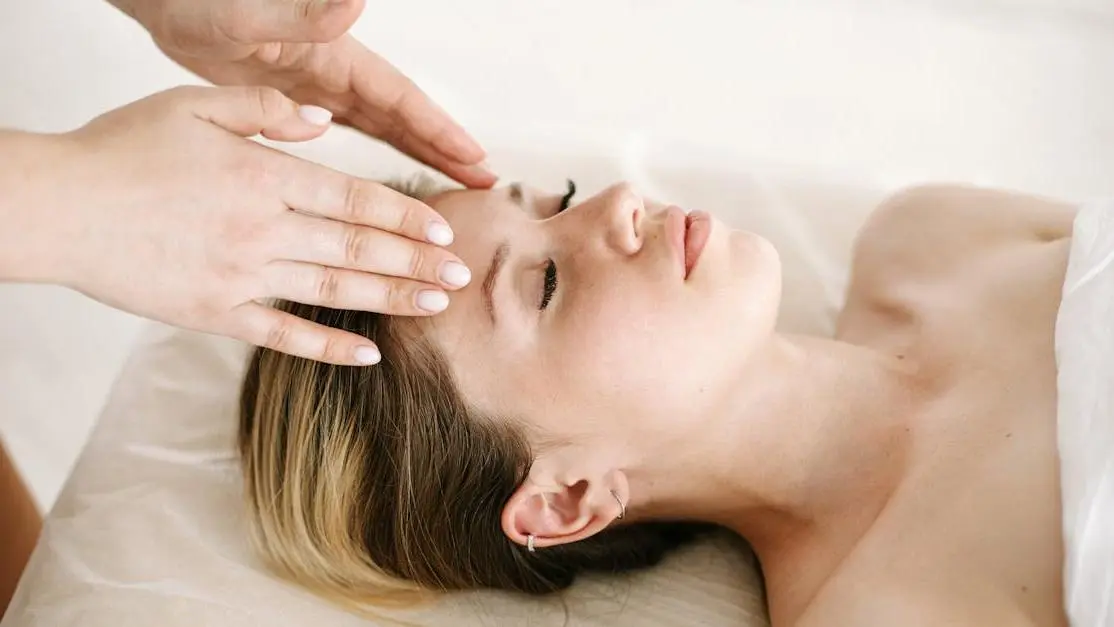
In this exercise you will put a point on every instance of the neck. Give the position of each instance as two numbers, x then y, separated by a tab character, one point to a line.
811	441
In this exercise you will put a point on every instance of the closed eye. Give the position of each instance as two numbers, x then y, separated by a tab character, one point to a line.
549	285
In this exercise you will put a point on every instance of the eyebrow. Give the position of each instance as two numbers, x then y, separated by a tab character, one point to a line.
493	269
518	196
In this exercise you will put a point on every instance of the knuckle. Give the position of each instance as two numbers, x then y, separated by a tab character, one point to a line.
278	335
305	9
328	287
397	299
357	200
330	348
271	102
408	216
355	245
418	261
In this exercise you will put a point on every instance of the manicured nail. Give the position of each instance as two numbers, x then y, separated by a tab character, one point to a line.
433	301
440	234
315	115
368	355
455	274
483	168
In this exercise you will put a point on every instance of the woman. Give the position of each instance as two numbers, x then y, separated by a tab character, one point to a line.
613	381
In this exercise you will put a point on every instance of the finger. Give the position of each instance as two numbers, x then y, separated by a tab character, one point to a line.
288	21
384	89
249	111
338	288
313	189
286	333
472	176
336	244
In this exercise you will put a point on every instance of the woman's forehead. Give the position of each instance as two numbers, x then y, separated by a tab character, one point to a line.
515	198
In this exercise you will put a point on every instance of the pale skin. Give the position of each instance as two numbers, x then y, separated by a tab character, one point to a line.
901	472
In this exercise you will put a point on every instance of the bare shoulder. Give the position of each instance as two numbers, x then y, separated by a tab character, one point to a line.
931	228
937	237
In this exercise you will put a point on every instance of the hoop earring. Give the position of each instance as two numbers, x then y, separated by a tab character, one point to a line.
530	543
622	508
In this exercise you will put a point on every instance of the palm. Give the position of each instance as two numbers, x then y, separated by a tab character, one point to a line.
362	90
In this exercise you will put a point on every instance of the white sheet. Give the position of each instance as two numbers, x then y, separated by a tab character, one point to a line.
1085	353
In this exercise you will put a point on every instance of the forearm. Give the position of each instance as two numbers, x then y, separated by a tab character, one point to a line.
32	231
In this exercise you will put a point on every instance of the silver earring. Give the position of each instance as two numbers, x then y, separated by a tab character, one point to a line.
530	543
622	508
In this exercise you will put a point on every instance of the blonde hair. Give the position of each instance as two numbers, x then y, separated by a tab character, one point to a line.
376	486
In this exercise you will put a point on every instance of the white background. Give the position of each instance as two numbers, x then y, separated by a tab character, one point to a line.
1015	93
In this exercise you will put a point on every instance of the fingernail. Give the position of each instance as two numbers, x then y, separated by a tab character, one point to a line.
455	274
433	301
368	355
318	116
485	167
440	234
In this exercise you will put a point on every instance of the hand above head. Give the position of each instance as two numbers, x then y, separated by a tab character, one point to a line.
300	47
162	208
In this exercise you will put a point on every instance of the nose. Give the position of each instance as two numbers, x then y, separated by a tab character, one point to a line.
623	211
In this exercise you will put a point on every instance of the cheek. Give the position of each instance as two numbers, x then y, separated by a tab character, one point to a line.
642	353
653	350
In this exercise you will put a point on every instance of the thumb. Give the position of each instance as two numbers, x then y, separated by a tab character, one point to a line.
318	21
248	111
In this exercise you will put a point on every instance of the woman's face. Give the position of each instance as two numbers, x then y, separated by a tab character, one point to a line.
589	329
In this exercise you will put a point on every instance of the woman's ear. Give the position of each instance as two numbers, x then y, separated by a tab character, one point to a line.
559	512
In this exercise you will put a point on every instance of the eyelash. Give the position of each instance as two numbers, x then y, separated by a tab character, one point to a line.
566	200
550	284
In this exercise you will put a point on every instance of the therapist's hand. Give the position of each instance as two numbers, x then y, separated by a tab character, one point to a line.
300	47
163	209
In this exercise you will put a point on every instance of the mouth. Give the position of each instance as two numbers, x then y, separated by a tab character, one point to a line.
689	234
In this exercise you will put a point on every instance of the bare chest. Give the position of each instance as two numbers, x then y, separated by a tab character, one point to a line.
976	523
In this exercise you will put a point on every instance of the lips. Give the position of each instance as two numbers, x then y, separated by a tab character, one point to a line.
688	235
698	226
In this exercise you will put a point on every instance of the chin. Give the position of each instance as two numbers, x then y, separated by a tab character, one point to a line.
747	244
756	270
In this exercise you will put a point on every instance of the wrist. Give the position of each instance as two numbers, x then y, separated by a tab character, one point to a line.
35	234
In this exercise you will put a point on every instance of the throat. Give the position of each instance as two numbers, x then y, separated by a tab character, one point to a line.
830	442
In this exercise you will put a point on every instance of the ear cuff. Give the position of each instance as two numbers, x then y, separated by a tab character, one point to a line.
622	508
